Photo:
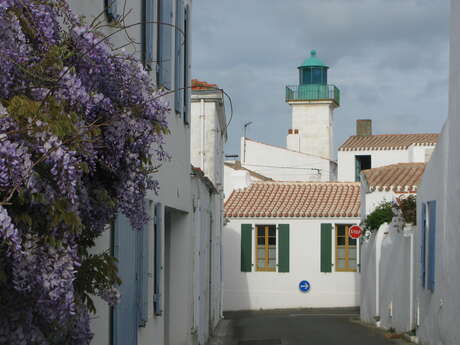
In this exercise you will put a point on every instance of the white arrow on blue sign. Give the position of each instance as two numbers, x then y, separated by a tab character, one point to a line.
304	286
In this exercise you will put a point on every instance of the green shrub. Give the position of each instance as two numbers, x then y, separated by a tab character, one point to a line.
382	214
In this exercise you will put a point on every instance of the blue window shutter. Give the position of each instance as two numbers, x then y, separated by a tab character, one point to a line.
431	244
186	64
148	34
142	273
165	43
423	244
125	312
179	58
111	9
157	260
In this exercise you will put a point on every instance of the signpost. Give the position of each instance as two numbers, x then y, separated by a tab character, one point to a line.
355	231
304	286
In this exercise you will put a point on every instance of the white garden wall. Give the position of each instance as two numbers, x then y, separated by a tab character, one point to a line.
387	293
273	290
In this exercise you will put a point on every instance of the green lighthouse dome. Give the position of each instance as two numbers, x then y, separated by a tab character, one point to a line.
313	71
313	61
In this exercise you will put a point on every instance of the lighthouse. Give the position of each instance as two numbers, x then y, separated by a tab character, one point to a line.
312	102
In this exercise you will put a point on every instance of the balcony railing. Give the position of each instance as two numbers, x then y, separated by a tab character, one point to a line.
312	92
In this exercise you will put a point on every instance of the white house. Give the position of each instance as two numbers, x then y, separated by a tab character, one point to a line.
388	183
438	236
208	136
280	234
365	150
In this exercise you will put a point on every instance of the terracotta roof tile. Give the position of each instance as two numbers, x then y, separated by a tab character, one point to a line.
202	85
388	141
401	177
295	199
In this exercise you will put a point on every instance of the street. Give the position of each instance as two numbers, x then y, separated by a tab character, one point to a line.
300	327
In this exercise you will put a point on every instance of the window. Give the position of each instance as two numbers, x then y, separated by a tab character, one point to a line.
345	250
265	248
272	243
361	163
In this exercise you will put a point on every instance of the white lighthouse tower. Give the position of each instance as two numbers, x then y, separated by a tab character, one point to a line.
313	102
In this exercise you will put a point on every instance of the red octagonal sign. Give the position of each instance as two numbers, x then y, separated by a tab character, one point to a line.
355	231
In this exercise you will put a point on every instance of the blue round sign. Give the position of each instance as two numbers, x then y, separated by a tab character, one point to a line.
304	286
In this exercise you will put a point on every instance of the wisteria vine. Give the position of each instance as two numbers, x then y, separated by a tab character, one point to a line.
81	132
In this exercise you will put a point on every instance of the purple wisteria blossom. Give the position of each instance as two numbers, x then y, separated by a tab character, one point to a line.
81	130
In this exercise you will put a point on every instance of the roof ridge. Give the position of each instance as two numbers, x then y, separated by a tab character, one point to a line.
305	182
393	134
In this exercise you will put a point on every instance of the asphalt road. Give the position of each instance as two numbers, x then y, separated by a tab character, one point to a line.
303	327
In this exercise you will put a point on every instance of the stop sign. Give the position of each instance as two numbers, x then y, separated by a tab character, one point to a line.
355	231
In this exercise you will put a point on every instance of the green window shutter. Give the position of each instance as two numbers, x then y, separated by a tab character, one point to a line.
326	247
246	247
283	248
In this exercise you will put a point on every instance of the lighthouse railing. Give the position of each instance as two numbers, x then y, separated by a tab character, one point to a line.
312	92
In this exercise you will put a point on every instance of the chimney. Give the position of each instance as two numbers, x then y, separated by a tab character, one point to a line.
363	128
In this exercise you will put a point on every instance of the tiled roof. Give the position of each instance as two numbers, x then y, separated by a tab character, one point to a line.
237	166
202	85
388	141
295	199
401	177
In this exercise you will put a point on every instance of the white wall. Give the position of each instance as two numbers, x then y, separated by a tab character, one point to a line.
282	164
207	265
419	153
346	161
314	121
439	309
387	293
271	290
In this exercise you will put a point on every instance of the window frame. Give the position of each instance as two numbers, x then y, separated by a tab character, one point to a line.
360	158
346	247
266	245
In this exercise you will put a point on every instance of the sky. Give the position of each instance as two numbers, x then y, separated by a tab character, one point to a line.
389	58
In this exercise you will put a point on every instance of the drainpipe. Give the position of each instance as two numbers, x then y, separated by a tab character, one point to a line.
202	118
